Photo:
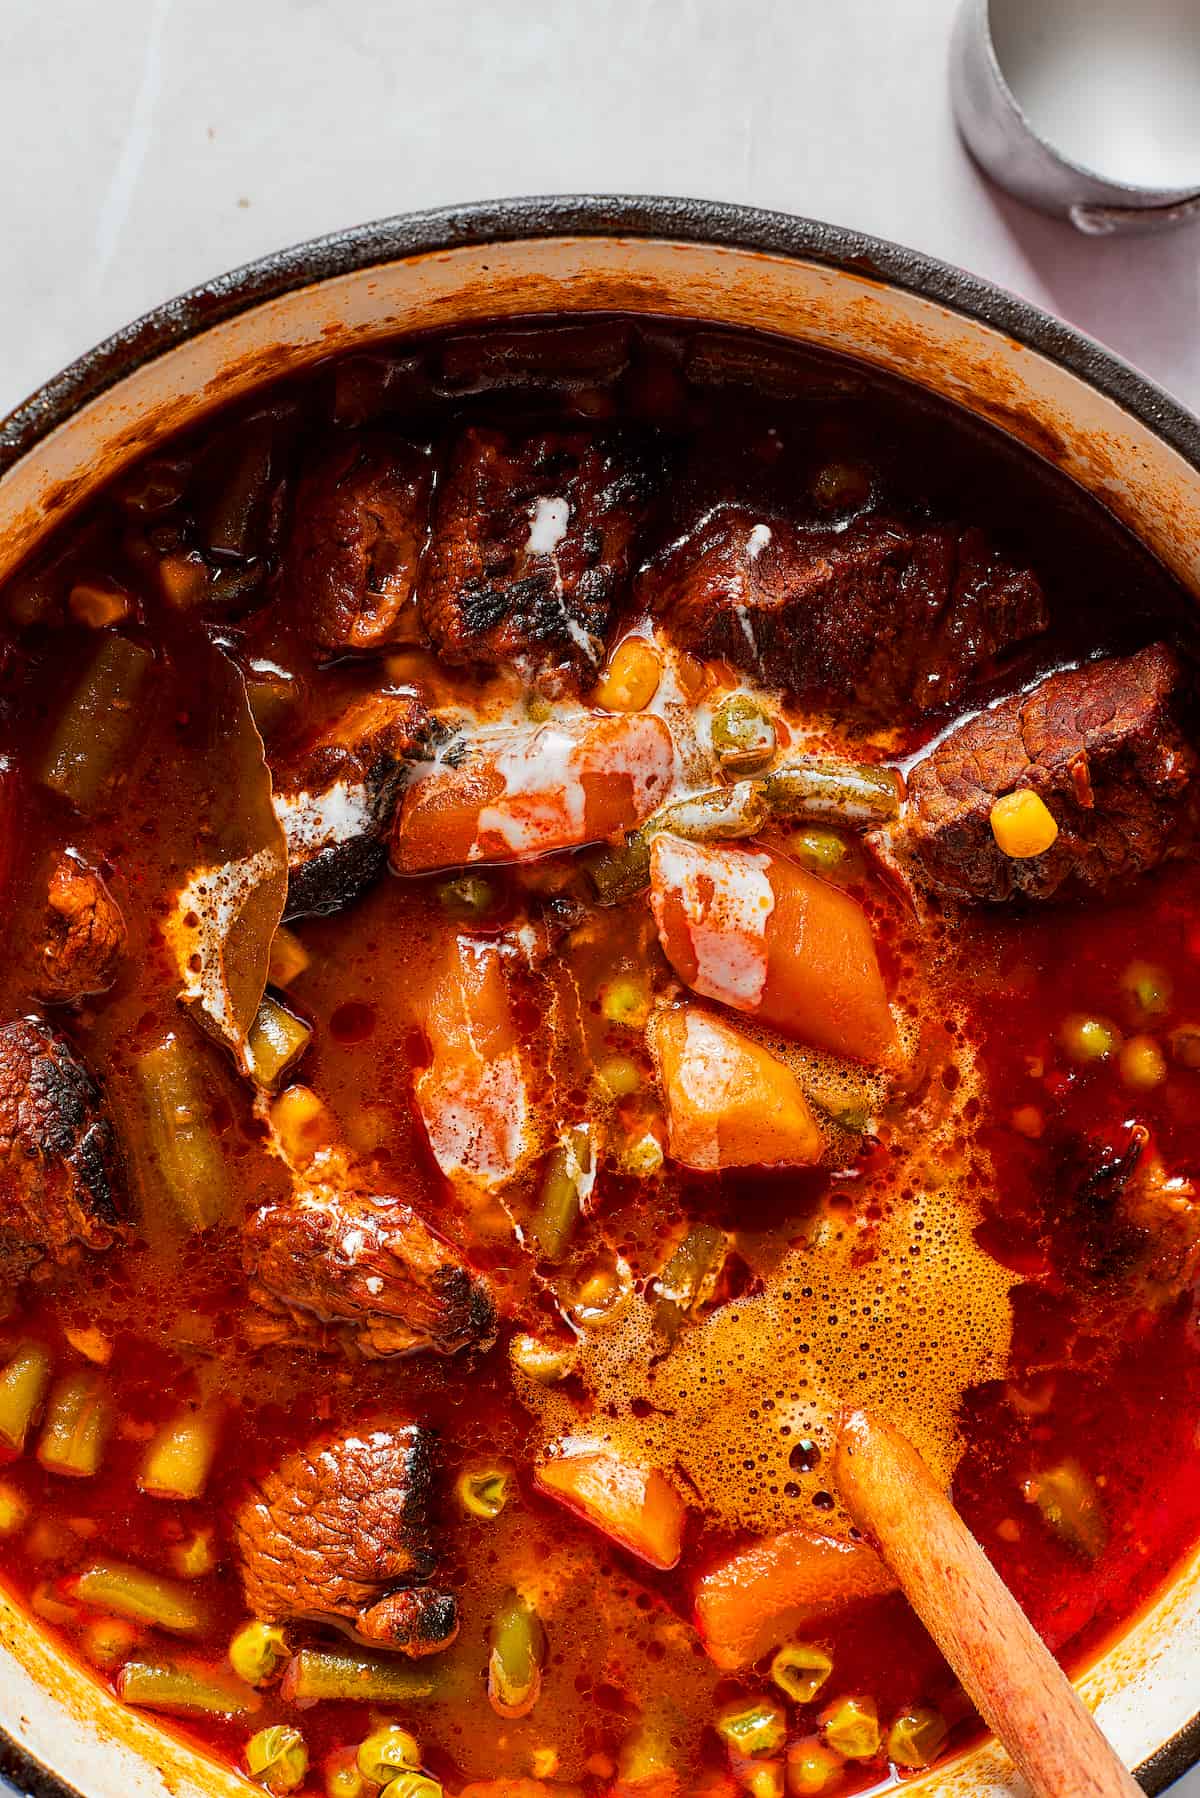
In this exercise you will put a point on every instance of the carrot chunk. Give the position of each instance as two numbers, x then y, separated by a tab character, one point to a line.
750	1603
519	795
729	1103
634	1505
757	932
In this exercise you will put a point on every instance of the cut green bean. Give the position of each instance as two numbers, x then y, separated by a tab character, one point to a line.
621	873
688	1280
818	789
566	1178
23	1381
186	1687
77	1425
276	1041
184	1157
720	815
517	1654
97	726
363	1678
179	1457
124	1591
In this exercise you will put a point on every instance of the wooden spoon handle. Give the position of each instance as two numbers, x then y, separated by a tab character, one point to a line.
1012	1678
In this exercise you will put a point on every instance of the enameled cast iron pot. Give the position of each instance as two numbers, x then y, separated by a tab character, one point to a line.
1067	399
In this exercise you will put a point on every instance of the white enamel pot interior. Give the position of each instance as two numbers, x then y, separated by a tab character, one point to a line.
1069	401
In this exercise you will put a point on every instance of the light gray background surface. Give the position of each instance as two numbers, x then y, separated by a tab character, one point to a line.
148	144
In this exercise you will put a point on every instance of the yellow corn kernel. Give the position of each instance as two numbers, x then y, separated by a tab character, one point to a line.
621	1075
195	1556
289	957
342	1777
1022	825
1142	1063
800	1669
811	1767
106	1641
98	604
631	679
14	1510
759	1779
303	1123
625	1000
851	1728
916	1737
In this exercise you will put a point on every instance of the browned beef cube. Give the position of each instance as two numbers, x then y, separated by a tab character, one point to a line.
895	617
84	933
364	1273
339	1533
531	548
61	1183
1101	745
359	527
334	794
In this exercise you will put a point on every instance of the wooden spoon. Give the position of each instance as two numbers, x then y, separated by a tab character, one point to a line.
1013	1680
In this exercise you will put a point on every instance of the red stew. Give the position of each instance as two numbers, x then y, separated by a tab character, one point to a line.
577	898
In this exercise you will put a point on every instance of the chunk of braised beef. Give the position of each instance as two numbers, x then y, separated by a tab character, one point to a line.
359	526
61	1174
1101	745
339	1533
895	617
83	936
335	790
532	547
363	1273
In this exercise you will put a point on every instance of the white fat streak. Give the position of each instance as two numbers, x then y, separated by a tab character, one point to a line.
544	804
548	521
584	1178
315	821
216	897
757	541
708	1073
727	900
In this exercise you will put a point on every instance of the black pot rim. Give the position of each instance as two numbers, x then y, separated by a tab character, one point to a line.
591	215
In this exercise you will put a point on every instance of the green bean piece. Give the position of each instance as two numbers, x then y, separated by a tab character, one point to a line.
543	1361
132	1592
647	1755
98	724
186	1687
719	815
800	1669
77	1425
277	1758
515	1662
688	1280
564	1181
275	1042
238	512
185	1157
621	873
23	1381
816	788
483	1491
1069	1500
363	1678
916	1736
179	1457
756	1728
467	896
743	736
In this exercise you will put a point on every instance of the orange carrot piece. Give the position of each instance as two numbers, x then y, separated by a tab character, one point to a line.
525	794
750	1603
729	1102
636	1506
757	932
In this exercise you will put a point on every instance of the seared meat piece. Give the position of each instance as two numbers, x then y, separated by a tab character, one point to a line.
359	526
1101	745
364	1272
531	547
894	616
339	1533
60	1168
1131	1222
335	794
85	933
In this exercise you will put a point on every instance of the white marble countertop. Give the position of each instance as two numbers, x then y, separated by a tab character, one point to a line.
149	144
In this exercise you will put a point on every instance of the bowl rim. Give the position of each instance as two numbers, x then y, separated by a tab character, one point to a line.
725	224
